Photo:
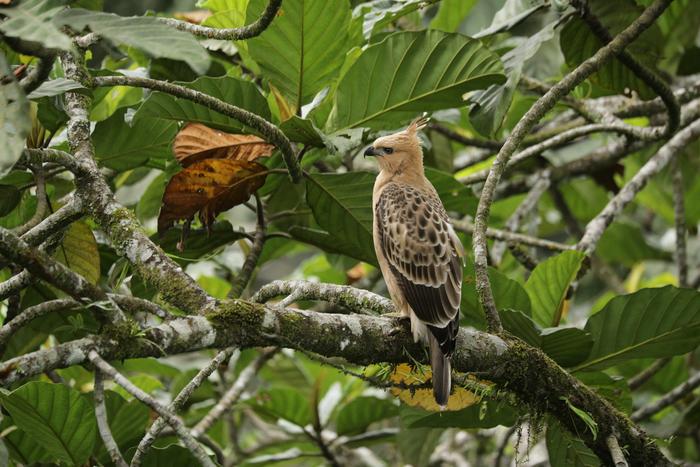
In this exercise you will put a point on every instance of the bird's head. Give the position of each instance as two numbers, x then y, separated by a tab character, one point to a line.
400	152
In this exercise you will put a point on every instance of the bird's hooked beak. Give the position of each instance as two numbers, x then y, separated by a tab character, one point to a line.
371	151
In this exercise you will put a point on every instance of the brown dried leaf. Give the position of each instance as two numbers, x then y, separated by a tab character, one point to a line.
209	187
196	142
194	17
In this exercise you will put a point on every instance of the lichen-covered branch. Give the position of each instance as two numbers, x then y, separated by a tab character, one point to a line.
34	312
103	424
531	117
233	34
267	130
118	222
464	225
343	295
595	228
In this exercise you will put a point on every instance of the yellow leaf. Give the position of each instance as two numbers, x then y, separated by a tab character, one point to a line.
407	375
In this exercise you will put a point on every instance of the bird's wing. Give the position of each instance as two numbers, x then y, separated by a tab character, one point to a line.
422	250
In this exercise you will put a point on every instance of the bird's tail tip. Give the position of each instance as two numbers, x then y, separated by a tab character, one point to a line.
442	373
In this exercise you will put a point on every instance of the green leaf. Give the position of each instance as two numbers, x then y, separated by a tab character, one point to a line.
143	32
303	48
578	43
58	417
409	73
243	94
10	197
78	251
171	456
121	146
650	323
567	451
548	284
566	346
286	403
491	105
30	20
613	388
450	14
143	381
483	415
360	412
301	130
624	243
584	416
21	446
342	205
417	444
14	119
54	87
454	195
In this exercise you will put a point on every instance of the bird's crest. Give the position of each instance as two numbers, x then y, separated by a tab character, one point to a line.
417	124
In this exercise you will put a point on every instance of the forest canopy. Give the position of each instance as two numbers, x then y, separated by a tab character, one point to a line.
187	269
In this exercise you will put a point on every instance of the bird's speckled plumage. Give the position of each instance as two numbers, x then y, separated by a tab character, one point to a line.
418	251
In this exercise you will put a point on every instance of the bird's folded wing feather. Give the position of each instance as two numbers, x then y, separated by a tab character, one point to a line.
422	250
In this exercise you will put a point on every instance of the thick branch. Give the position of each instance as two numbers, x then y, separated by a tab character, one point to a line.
270	132
532	116
234	34
118	222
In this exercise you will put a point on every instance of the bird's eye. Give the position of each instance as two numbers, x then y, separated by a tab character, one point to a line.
388	150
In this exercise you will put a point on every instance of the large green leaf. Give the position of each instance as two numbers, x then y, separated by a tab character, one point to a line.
409	73
303	48
143	32
359	413
567	451
170	456
484	415
31	21
454	195
654	323
548	284
14	120
78	251
450	14
625	244
22	447
578	43
286	403
58	417
491	105
342	205
199	242
241	93
568	346
121	146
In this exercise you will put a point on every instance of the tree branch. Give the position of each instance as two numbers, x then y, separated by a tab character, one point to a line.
239	283
595	228
679	217
173	420
463	225
531	117
180	400
670	398
118	222
270	132
234	34
103	424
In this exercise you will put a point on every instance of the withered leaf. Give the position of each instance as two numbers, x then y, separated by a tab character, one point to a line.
196	142
209	187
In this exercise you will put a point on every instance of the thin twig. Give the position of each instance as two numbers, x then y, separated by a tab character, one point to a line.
504	444
595	228
173	420
42	204
531	117
270	132
34	312
233	394
679	215
645	375
670	398
239	283
103	424
466	226
618	457
233	34
177	403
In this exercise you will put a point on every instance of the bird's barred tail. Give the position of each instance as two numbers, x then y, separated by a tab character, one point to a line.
442	372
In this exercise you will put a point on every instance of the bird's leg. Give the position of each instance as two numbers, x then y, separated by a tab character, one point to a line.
401	323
